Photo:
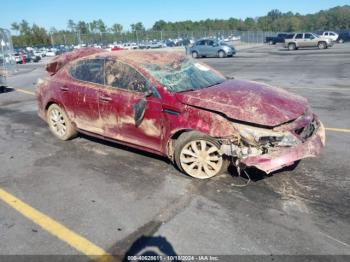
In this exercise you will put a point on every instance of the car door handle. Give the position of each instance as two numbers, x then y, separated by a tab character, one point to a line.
105	98
64	88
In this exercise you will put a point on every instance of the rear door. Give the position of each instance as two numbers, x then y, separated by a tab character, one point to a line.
299	40
80	94
138	117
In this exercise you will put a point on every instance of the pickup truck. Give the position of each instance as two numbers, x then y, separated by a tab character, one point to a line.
272	40
301	40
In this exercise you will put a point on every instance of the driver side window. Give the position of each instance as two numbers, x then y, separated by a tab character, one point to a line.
120	75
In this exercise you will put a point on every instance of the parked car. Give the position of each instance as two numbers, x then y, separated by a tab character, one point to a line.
272	40
166	103
51	53
343	37
155	44
302	40
211	48
330	35
33	58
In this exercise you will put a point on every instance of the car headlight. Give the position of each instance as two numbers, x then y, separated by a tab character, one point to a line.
259	136
227	49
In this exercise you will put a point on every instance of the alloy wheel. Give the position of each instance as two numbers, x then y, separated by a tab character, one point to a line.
57	122
201	159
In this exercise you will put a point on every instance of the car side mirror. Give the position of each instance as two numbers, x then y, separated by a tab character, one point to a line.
139	111
148	93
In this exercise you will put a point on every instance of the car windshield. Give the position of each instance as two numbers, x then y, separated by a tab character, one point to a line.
185	75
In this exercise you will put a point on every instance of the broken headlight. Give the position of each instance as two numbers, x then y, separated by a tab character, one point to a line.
257	136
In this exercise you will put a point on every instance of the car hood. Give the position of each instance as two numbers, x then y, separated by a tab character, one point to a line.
246	101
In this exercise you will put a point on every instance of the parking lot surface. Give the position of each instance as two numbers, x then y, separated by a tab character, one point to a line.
112	195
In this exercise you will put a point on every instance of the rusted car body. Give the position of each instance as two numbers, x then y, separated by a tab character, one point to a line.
178	108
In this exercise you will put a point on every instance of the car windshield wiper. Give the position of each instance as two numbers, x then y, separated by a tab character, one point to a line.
187	90
215	84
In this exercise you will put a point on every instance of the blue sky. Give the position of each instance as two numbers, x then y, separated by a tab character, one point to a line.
55	13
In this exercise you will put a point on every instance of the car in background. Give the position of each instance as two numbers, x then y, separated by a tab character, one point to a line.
272	40
116	48
232	38
343	37
130	46
51	53
330	35
305	40
155	44
33	57
211	48
171	105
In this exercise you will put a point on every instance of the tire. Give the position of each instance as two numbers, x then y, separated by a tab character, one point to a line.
322	45
221	54
341	41
59	123
292	47
192	160
271	42
195	54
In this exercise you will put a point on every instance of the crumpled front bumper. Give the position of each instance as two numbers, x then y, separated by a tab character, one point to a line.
286	156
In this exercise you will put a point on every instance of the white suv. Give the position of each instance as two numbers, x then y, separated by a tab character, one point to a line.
330	35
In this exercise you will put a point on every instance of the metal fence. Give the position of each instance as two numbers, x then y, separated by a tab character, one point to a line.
7	60
75	38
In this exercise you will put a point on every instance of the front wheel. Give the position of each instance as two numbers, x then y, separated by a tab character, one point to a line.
59	123
195	55
221	54
198	155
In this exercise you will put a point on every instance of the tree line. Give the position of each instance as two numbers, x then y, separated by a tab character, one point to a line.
337	18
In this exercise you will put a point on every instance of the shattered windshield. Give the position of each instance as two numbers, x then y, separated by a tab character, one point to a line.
185	75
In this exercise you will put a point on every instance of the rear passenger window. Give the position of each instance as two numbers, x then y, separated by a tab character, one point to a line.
299	36
308	36
89	70
210	43
120	75
202	42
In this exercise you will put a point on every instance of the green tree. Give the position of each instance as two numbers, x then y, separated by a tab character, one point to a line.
137	27
116	28
71	25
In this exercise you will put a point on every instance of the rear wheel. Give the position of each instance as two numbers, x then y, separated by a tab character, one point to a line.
198	155
221	54
292	47
59	123
322	45
271	42
341	41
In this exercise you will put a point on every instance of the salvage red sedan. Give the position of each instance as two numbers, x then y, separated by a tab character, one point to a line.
167	104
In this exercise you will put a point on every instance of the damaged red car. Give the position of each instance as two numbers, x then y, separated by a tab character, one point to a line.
167	104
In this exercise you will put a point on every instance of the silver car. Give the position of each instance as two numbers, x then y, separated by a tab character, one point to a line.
211	48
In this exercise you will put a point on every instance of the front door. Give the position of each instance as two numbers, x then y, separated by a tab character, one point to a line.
139	116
